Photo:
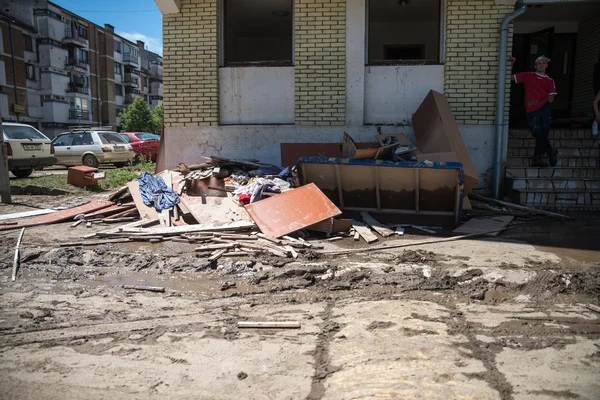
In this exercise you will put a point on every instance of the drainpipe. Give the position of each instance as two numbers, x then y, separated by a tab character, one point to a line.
501	95
14	67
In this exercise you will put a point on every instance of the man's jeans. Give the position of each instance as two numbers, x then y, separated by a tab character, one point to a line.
539	126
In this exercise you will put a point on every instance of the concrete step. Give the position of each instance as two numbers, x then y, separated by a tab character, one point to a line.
556	172
562	151
555	185
565	162
555	133
553	198
529	142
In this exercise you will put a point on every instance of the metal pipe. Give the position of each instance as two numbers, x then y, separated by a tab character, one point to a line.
501	95
14	66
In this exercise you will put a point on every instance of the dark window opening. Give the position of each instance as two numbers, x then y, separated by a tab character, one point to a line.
30	72
28	42
404	32
258	32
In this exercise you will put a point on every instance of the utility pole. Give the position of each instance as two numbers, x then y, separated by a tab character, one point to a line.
4	180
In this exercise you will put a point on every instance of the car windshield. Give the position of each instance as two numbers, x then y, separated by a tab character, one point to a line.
147	136
22	133
111	138
126	138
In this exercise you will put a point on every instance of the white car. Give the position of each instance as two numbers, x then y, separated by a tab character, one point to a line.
28	149
91	148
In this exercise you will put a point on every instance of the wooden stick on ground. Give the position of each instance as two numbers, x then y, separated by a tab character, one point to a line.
517	206
376	225
17	259
269	325
159	289
450	239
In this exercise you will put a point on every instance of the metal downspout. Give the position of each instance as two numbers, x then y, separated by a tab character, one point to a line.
14	68
501	96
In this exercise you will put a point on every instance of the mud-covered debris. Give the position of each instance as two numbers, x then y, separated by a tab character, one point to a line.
375	325
419	257
227	285
242	375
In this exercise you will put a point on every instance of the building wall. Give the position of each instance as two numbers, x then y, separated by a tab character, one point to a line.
320	62
586	55
472	40
190	40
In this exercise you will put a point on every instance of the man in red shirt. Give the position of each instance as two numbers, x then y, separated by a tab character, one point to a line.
539	93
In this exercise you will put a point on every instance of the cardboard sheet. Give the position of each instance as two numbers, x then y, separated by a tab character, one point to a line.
291	211
436	131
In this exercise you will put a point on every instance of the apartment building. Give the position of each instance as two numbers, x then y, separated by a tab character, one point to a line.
58	70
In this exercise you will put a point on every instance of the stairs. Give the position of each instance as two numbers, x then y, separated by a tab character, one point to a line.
573	184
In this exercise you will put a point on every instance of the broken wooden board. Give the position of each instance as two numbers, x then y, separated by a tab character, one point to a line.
364	231
145	211
377	226
332	225
58	216
178	230
291	211
480	225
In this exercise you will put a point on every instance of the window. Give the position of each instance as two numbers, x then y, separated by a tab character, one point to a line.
30	72
118	90
117	46
28	42
402	31
130	50
63	140
82	31
147	136
146	82
126	138
80	80
22	133
78	103
82	139
258	32
111	138
83	56
118	68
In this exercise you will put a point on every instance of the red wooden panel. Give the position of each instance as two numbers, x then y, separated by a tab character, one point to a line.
58	216
291	211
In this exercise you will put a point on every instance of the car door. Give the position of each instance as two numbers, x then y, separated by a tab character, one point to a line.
62	149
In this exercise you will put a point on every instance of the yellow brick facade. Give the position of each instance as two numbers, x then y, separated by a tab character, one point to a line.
320	62
191	62
471	65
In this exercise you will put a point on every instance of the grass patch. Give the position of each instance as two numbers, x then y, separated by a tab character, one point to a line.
143	165
115	178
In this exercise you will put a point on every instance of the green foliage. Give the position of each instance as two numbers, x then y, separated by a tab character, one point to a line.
137	117
157	117
115	178
142	165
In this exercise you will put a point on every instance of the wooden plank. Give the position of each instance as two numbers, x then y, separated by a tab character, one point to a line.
376	225
517	206
17	258
479	225
217	255
95	242
364	231
220	246
158	289
26	214
268	325
58	216
178	230
145	211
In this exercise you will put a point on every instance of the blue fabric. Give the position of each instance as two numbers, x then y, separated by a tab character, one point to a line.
155	192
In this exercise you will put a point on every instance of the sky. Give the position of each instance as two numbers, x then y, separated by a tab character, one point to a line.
132	19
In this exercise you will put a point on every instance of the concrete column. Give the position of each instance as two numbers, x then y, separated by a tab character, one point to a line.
355	61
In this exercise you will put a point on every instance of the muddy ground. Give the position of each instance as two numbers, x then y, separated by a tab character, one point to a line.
496	318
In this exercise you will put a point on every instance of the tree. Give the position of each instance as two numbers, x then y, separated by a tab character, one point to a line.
157	116
137	117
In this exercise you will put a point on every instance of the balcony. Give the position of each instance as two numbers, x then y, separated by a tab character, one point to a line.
72	37
156	76
79	114
76	63
129	59
77	88
130	80
129	97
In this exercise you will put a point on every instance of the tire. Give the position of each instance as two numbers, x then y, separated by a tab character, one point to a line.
120	164
90	161
22	173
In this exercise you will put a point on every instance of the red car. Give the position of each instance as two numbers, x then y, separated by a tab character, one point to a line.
143	143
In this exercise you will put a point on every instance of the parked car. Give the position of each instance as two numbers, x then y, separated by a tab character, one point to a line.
28	149
91	148
143	143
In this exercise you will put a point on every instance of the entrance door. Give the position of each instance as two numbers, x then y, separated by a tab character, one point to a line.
526	48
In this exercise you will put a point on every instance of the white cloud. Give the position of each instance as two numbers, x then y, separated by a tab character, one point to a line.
152	44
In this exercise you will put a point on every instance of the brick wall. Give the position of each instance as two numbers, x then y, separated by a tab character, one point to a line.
320	62
471	65
191	91
586	55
